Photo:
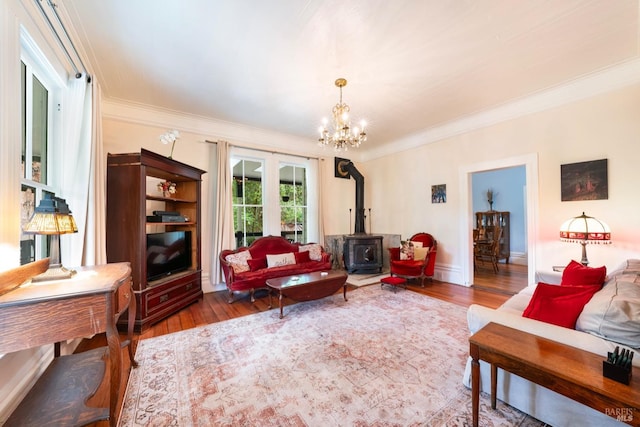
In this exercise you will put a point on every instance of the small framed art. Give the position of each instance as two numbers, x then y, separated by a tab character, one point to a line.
439	193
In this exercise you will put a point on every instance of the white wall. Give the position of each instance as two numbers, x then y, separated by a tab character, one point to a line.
603	126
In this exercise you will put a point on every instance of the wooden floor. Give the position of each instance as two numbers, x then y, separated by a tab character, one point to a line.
510	278
491	290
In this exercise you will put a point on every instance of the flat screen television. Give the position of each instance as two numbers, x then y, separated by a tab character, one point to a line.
168	253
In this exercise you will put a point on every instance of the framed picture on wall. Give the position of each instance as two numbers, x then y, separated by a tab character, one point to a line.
439	193
584	181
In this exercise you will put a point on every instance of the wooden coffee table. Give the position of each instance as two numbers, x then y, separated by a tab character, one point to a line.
574	373
309	286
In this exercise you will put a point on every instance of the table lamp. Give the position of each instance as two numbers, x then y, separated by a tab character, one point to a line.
52	217
585	230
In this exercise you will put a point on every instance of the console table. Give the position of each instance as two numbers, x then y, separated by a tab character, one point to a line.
574	373
89	303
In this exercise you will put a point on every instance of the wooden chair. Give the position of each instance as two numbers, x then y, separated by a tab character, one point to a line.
488	250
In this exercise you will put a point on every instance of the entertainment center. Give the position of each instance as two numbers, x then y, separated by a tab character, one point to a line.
164	250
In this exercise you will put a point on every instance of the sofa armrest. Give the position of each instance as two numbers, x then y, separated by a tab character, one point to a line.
394	254
550	277
227	271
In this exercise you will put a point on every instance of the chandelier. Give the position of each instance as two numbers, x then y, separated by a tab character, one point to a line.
342	137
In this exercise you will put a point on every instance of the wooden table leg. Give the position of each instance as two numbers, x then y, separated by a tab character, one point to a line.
494	382
344	291
475	384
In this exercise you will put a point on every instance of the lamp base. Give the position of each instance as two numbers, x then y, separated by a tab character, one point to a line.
55	272
585	260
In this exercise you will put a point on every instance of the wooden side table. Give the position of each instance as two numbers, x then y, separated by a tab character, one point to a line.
89	303
574	373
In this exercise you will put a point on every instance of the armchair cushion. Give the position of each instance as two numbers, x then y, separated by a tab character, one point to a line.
406	250
420	253
278	260
314	249
578	274
238	261
559	305
302	257
257	263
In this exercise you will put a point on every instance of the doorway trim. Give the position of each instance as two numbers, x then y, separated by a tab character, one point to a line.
530	161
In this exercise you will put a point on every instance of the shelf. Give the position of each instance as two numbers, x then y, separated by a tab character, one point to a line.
169	199
172	223
59	396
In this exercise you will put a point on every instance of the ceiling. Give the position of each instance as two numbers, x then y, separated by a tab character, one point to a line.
411	65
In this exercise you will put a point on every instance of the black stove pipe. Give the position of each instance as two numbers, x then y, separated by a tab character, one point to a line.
357	176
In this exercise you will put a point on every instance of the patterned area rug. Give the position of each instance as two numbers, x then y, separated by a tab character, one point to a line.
379	359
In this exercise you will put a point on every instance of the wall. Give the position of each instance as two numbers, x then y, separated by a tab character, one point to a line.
602	126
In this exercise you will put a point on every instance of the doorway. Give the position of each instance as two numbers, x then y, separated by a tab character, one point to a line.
498	199
467	218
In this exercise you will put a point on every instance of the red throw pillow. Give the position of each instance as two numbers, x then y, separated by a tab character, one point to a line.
559	305
578	274
257	263
302	257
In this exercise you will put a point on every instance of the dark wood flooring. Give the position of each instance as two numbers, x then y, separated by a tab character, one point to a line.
490	290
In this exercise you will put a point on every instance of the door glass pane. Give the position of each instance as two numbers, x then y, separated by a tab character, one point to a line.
293	196
247	201
40	100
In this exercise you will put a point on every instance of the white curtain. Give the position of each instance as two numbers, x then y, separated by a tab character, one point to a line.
83	176
221	200
321	177
75	157
95	243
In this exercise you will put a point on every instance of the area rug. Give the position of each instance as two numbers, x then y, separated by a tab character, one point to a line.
382	358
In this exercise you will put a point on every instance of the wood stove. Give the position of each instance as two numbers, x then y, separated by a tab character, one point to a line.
362	252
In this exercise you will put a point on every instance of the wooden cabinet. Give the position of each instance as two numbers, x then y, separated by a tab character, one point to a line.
88	303
486	222
132	196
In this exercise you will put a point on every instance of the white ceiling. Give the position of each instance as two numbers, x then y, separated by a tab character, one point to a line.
410	64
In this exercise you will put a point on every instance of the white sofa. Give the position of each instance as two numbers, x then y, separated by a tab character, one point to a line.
620	293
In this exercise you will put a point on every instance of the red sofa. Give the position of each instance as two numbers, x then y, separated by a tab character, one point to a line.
240	277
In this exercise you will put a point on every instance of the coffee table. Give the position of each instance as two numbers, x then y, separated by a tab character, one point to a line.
309	286
574	373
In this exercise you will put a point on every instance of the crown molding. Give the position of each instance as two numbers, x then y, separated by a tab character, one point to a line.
212	129
608	80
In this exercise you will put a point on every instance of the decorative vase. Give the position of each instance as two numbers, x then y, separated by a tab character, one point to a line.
166	193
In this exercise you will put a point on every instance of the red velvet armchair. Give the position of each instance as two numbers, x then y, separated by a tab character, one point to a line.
412	268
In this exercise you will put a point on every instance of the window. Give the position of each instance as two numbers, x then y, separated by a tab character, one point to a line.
271	196
37	94
248	207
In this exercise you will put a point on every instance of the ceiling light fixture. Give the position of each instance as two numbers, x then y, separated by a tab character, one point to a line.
342	137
